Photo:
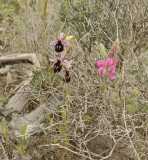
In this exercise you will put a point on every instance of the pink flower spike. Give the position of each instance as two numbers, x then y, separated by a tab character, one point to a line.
111	78
102	70
109	53
101	63
112	68
53	43
115	61
109	61
97	64
112	72
99	73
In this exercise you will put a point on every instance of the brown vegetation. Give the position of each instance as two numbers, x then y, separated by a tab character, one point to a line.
101	120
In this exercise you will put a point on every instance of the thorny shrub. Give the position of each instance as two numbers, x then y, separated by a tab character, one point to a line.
96	106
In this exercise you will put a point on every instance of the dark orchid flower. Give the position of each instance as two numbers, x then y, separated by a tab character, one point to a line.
59	63
60	43
67	73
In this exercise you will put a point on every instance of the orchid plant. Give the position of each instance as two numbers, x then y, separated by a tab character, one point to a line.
63	67
60	62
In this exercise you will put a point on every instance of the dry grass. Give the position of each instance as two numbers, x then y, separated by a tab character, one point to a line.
97	114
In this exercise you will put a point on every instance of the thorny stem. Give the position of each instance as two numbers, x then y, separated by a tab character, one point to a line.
125	124
4	152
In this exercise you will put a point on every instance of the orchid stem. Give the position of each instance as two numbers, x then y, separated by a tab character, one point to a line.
67	98
43	36
67	94
45	8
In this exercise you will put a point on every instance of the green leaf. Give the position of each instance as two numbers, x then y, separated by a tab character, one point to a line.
102	50
4	127
22	129
85	117
103	86
118	101
114	94
131	108
3	98
135	92
127	97
64	111
130	101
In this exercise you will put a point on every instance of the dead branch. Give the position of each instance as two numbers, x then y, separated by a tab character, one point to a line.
16	58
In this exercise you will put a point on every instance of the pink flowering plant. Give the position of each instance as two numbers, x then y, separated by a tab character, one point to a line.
107	66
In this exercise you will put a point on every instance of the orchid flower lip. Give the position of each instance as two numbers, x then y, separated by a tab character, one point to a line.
57	66
59	47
